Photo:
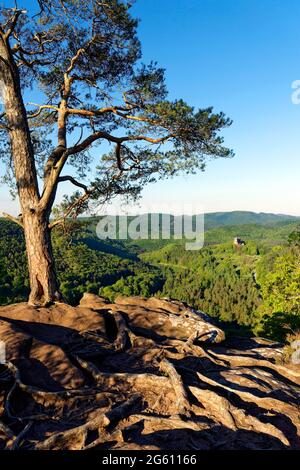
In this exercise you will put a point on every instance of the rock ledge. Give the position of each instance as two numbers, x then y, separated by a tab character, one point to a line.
140	374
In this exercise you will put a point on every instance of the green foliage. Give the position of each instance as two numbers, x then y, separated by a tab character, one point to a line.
14	286
294	238
84	269
278	325
279	276
281	285
218	279
142	284
265	235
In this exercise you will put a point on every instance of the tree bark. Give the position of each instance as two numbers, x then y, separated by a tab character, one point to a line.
43	280
44	287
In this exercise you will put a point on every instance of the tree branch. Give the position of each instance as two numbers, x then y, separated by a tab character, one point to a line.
63	154
119	111
80	51
117	140
73	181
13	22
118	156
13	219
41	107
73	206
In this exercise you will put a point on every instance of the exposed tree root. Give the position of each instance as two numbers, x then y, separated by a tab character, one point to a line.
139	374
182	402
76	438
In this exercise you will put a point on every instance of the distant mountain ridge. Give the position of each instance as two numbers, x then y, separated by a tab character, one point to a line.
214	220
219	219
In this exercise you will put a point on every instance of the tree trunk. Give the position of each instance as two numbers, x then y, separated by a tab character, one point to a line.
43	281
44	287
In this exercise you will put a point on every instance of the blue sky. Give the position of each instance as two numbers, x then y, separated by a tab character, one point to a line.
241	56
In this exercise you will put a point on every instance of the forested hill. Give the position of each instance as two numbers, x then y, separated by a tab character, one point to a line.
218	219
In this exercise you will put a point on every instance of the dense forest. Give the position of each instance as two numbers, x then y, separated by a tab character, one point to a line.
254	288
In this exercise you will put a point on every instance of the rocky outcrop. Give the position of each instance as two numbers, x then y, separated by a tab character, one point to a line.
163	319
140	374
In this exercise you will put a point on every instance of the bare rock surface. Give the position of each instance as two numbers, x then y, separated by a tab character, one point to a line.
140	374
167	319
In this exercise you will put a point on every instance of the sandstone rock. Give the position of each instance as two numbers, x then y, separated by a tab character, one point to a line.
16	341
60	314
93	301
51	362
167	318
140	374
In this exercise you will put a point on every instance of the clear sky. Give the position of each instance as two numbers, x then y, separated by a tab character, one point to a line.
241	56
